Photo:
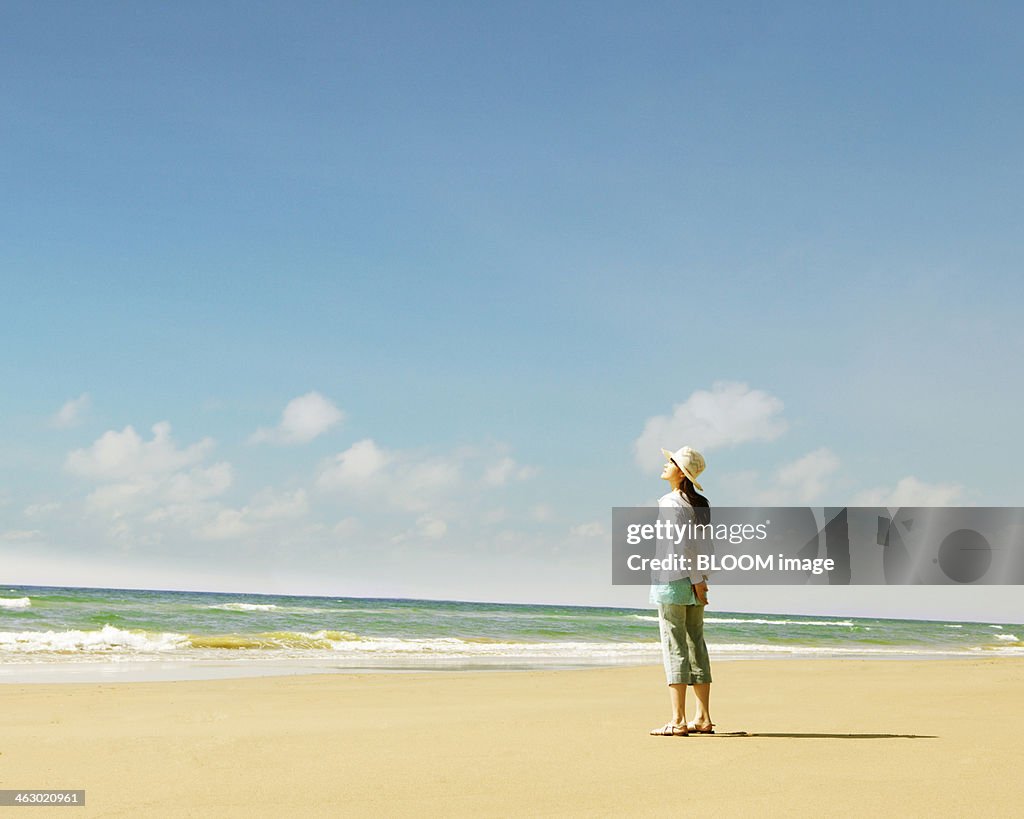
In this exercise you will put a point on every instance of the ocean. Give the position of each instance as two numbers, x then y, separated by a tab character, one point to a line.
78	635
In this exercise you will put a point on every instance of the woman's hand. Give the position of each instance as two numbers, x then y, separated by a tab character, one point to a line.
701	591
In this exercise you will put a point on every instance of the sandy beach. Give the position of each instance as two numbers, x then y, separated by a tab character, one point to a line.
827	737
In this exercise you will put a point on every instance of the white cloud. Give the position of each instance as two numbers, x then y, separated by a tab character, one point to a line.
448	484
803	480
589	530
183	514
304	418
36	510
504	470
806	480
910	491
365	466
265	509
346	526
144	484
798	482
429	475
199	483
360	464
174	495
729	413
271	505
489	517
70	415
20	535
428	527
118	499
118	455
226	525
541	513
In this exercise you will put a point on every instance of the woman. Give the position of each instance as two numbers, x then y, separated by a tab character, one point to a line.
682	598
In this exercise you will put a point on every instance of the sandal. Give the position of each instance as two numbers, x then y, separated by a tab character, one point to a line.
670	729
692	728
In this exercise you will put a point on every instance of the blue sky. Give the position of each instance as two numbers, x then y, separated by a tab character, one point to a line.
496	241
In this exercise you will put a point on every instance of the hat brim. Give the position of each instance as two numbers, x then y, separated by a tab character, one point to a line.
669	457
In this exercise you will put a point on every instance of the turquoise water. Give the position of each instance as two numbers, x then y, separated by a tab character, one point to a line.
51	632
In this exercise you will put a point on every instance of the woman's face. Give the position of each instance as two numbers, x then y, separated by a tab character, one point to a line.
671	471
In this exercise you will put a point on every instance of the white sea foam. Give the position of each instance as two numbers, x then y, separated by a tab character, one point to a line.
107	639
759	621
1013	637
952	626
349	648
286	609
15	602
112	640
456	648
1013	650
831	651
361	611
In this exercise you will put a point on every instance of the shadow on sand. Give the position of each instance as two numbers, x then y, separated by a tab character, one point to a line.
821	736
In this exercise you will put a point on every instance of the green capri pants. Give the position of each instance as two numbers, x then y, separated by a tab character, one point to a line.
682	644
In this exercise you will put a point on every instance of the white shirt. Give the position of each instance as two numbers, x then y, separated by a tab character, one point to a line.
674	508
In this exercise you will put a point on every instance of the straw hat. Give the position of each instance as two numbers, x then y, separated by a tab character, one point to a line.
690	463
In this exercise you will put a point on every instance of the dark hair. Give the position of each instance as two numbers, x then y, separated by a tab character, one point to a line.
696	500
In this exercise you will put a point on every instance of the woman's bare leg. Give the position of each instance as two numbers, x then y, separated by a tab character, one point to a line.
677	695
703	693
